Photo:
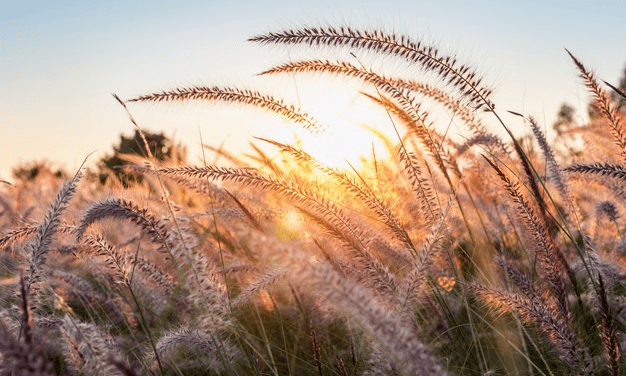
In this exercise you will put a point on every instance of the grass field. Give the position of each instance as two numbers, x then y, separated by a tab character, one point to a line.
485	255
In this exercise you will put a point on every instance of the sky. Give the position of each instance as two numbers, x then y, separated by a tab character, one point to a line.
60	61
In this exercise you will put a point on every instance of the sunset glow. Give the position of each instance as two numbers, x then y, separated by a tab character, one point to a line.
344	142
326	198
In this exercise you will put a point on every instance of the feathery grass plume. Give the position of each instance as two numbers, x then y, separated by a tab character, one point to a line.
115	261
557	177
608	330
340	366
370	272
413	287
18	234
360	190
156	274
529	171
603	169
521	280
21	358
402	342
332	256
80	289
530	289
21	233
603	101
410	112
211	296
379	363
317	355
552	260
263	282
209	349
26	317
263	160
488	140
253	178
128	271
199	186
461	77
553	168
286	188
255	223
123	268
391	107
455	106
233	95
531	180
609	209
442	158
37	249
422	186
415	120
124	209
244	268
390	85
536	309
92	348
594	265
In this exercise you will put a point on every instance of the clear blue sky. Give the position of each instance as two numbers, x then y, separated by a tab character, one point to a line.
61	60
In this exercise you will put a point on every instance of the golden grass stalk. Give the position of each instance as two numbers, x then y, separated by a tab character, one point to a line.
410	112
537	310
360	190
369	270
37	250
422	186
551	259
263	282
603	169
603	101
608	331
124	209
401	341
232	95
24	232
290	189
462	78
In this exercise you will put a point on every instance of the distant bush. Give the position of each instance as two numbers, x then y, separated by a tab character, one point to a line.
163	149
33	169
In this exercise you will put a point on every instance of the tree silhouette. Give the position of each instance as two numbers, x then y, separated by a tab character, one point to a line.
161	147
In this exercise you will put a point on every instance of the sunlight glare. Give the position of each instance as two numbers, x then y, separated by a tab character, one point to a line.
289	226
344	142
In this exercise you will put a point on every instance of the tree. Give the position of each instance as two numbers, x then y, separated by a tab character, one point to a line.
566	143
161	147
565	119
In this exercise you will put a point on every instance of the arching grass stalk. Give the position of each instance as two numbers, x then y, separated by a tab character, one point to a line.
166	197
219	242
142	319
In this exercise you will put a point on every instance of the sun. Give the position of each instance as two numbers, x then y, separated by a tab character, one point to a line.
345	141
340	149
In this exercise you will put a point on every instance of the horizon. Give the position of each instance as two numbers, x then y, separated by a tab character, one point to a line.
60	63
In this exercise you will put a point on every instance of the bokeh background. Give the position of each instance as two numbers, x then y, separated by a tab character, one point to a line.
60	61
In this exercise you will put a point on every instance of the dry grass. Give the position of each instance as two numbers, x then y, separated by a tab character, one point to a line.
447	257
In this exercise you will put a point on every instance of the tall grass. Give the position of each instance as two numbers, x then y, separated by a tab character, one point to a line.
471	257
